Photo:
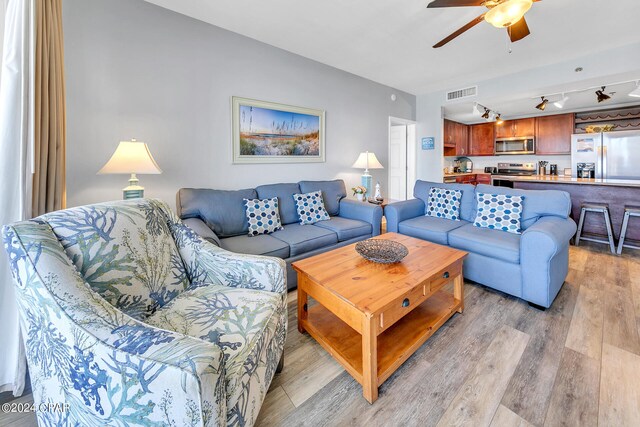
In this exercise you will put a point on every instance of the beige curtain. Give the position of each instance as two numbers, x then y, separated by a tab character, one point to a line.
49	185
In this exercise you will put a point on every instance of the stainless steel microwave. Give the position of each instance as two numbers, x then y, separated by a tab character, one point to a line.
517	145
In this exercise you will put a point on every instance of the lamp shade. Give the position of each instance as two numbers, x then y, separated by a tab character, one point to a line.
367	160
131	157
507	13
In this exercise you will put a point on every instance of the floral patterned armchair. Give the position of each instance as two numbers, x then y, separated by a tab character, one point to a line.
130	318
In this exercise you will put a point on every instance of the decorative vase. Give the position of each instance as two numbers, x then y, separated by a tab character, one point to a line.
360	197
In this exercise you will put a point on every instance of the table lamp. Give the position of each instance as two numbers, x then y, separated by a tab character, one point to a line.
367	161
131	157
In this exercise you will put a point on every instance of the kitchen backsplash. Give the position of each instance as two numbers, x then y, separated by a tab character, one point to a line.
479	163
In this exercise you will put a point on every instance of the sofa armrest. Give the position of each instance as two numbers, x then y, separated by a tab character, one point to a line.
362	211
401	211
198	225
547	237
208	264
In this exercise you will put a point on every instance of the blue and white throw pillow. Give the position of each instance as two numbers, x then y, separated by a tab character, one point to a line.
499	212
444	203
263	216
310	207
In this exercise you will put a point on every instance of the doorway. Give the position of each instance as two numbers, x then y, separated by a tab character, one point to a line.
402	158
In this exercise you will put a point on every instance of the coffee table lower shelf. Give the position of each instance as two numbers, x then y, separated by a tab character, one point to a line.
395	345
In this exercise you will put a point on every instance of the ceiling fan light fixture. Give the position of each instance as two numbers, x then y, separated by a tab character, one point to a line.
601	95
543	104
560	103
636	92
507	13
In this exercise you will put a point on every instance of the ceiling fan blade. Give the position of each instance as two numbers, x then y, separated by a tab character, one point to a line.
519	30
470	25
455	3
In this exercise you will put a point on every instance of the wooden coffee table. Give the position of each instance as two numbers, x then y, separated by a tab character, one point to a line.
371	317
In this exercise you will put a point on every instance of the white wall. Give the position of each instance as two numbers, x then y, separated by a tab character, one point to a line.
135	70
602	67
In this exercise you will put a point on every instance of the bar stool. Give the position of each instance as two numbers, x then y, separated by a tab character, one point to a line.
602	208
629	211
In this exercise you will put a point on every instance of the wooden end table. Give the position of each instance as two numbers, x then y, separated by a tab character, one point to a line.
372	317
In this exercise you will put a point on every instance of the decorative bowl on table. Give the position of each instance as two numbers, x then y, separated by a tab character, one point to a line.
382	251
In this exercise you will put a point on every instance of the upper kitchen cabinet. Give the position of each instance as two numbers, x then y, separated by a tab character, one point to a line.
553	134
516	128
481	139
456	138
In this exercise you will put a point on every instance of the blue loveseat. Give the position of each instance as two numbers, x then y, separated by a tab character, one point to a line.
531	266
219	216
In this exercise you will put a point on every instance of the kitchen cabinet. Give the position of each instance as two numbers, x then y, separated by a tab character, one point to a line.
553	134
456	138
515	128
483	178
481	139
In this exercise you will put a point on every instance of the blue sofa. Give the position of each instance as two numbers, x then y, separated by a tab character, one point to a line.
219	216
531	266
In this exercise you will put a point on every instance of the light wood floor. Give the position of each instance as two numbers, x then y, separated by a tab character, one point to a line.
500	363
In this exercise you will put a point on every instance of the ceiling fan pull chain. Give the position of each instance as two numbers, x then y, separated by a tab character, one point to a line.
509	43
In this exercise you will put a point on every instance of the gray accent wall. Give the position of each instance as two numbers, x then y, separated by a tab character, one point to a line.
135	70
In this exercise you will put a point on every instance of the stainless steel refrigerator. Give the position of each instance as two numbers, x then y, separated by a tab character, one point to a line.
609	155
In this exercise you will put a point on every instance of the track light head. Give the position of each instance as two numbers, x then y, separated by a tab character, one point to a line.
499	120
636	92
601	95
486	113
543	104
560	103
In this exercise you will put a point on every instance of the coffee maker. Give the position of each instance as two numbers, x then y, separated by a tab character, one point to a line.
586	170
553	169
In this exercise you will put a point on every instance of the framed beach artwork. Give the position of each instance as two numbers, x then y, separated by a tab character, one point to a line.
266	132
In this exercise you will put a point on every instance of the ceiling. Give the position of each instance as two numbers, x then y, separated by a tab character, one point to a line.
585	100
390	41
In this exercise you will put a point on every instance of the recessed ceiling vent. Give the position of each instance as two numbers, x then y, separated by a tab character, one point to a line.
468	92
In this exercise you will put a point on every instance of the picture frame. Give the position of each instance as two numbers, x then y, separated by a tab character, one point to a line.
269	132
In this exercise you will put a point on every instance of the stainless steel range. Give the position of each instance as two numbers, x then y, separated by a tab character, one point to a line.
512	169
517	169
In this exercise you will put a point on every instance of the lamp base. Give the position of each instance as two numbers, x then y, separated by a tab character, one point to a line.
367	181
133	191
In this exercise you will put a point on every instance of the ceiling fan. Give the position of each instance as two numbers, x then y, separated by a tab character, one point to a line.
507	14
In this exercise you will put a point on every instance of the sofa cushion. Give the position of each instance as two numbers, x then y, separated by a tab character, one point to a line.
248	325
310	207
499	212
444	203
346	228
223	211
263	216
125	251
483	241
538	203
262	244
467	202
430	228
332	193
284	193
305	238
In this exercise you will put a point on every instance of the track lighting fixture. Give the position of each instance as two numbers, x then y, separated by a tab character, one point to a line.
499	120
543	104
560	103
477	109
486	113
636	92
601	95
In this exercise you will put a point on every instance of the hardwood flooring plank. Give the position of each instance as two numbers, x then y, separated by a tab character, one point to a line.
585	331
479	397
505	417
574	400
19	418
530	388
619	388
275	408
317	373
620	326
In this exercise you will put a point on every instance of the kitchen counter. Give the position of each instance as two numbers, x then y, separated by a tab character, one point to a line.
560	179
475	172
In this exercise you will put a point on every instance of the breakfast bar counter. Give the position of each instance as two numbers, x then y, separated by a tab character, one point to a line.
616	193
